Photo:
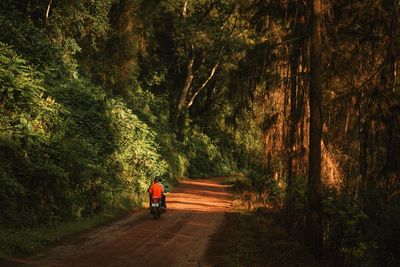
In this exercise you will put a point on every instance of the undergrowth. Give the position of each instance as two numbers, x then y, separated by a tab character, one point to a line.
250	235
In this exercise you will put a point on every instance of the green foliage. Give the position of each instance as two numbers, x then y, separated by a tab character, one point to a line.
296	201
25	38
362	232
79	19
29	123
346	221
154	111
84	153
136	153
173	153
204	155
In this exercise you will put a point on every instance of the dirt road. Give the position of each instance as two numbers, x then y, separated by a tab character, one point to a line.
195	210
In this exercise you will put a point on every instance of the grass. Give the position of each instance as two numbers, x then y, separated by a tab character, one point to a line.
17	242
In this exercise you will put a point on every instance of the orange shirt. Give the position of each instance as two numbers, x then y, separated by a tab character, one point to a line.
156	190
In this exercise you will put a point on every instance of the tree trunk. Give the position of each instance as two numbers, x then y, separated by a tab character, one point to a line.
291	172
187	84
294	63
122	46
313	228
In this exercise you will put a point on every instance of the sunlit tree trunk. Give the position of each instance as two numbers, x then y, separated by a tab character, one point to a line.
313	229
204	84
187	84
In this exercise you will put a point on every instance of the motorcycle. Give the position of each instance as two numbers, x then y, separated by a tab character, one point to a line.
156	208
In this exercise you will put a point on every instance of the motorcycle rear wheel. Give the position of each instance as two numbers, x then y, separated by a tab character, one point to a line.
156	214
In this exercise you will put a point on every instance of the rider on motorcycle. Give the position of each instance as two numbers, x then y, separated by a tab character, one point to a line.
157	191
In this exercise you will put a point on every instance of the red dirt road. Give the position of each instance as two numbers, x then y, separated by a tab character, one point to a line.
180	238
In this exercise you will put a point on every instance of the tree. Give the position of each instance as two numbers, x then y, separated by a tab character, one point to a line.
313	231
206	29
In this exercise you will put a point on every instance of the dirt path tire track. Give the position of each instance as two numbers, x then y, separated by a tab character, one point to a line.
180	238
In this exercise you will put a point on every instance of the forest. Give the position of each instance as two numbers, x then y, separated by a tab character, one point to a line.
300	97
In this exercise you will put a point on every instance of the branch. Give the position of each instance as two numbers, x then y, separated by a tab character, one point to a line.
372	76
184	8
47	12
188	83
218	58
204	84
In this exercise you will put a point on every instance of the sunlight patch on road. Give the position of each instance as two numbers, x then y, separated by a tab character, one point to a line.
207	197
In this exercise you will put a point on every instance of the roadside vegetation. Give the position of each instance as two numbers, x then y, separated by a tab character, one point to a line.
26	241
252	233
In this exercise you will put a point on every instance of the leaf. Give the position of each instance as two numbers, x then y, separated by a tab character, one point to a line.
23	121
10	94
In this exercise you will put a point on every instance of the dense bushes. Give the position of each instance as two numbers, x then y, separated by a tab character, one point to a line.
154	111
68	149
204	155
30	124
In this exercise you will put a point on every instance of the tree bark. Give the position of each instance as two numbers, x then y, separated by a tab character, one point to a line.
294	63
313	229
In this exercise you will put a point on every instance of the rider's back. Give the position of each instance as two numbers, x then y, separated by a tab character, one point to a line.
156	190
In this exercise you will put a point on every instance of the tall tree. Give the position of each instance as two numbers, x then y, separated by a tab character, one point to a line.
313	231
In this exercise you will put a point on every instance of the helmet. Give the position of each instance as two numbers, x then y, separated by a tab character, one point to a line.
157	179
